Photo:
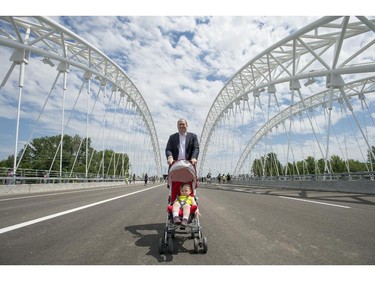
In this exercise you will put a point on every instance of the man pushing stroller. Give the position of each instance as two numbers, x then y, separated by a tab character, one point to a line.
182	145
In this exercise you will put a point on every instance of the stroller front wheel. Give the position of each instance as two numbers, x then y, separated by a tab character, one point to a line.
196	245
205	246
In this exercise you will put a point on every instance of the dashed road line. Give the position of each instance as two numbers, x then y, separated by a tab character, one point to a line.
316	202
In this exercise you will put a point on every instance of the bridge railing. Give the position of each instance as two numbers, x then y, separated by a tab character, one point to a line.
358	182
355	176
32	176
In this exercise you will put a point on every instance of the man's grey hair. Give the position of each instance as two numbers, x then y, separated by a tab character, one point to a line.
182	119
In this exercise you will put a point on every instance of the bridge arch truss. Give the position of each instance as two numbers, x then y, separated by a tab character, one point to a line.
114	111
299	88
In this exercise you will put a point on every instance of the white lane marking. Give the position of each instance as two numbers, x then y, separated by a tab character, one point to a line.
243	190
20	225
316	202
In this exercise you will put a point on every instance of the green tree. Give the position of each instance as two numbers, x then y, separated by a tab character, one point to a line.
43	152
311	165
291	169
338	164
257	168
273	165
370	157
356	166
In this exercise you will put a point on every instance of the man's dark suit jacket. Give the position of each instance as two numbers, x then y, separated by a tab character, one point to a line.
191	146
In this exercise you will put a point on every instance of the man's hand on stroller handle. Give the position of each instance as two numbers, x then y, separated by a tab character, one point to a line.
193	161
170	161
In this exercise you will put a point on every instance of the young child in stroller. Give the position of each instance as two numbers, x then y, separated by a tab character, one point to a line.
182	204
184	201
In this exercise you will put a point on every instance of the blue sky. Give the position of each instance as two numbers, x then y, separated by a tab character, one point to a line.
179	64
179	58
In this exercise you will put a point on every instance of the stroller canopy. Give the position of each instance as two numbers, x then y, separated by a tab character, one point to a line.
182	171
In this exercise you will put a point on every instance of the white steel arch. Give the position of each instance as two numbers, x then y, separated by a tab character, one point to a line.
42	37
332	52
355	89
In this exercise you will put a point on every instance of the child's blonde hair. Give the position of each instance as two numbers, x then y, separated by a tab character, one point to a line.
185	184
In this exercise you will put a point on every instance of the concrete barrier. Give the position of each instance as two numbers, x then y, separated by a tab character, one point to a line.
365	187
360	186
50	187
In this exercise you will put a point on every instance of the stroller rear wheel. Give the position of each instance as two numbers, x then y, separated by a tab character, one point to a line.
161	245
170	245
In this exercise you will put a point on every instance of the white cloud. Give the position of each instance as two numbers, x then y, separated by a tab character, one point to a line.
179	64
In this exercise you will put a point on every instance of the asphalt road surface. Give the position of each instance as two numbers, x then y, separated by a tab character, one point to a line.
243	226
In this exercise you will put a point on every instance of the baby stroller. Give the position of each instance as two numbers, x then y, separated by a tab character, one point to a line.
182	171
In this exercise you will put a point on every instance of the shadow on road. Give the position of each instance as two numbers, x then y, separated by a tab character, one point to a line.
148	235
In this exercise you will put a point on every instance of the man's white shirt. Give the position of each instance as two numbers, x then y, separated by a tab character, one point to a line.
181	147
